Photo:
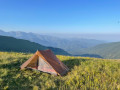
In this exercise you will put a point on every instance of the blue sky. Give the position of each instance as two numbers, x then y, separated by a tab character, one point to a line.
60	16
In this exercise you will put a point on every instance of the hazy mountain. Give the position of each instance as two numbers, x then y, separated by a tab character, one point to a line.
108	50
71	45
110	37
20	45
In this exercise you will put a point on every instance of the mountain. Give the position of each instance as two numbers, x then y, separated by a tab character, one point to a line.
19	45
71	45
108	50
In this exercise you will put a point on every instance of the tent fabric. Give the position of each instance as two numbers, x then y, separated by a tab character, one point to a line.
43	66
28	61
47	57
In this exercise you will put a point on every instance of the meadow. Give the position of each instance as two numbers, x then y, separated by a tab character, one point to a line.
85	74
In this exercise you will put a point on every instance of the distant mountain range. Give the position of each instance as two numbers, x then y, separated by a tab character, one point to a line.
20	45
80	47
71	45
108	51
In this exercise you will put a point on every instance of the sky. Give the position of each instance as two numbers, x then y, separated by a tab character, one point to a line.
60	16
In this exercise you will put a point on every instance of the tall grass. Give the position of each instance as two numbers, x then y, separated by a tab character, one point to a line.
85	74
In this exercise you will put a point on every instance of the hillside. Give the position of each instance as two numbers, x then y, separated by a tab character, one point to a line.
71	45
108	50
19	45
85	74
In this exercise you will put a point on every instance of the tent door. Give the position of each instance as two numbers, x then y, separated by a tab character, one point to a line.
39	59
45	67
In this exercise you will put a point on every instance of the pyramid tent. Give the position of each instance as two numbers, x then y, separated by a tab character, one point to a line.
46	61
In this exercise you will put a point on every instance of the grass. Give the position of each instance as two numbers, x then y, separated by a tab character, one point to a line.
85	74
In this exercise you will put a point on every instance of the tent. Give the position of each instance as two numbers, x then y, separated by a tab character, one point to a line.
46	61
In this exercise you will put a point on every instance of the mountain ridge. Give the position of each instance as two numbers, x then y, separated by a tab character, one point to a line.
71	45
8	43
107	51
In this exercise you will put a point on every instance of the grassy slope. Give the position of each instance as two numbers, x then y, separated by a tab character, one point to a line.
85	73
108	50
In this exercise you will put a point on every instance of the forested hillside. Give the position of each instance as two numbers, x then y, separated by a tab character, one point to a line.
20	45
108	50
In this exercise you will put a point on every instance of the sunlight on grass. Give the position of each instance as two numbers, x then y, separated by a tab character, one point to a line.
85	73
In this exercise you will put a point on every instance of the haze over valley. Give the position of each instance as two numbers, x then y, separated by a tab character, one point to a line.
76	46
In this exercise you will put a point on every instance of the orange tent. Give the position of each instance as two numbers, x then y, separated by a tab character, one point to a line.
46	61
